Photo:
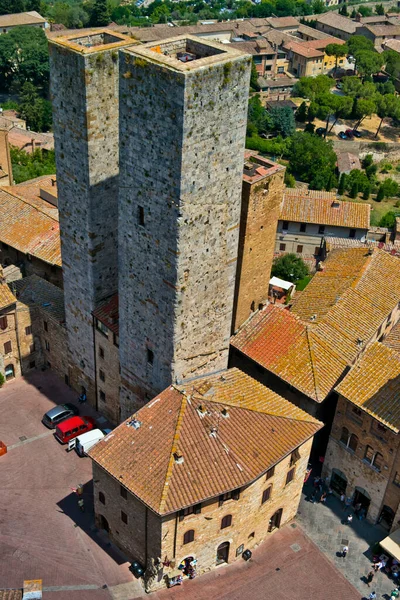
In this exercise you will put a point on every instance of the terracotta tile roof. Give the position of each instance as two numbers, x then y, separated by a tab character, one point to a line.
373	384
322	44
278	22
392	340
347	162
22	139
384	30
303	50
328	326
29	229
314	33
6	296
30	191
338	21
335	242
37	292
324	208
107	313
253	48
25	18
260	430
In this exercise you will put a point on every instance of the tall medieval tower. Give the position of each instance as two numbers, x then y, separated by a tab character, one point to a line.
84	85
183	108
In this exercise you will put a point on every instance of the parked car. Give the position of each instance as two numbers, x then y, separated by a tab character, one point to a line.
342	135
339	85
73	427
356	133
349	133
58	414
83	443
320	130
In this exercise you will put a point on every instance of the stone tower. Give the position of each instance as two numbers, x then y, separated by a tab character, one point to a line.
262	195
183	108
84	87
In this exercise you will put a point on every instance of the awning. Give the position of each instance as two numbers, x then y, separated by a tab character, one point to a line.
391	544
285	285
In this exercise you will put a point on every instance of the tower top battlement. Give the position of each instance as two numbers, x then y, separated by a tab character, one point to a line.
92	41
186	53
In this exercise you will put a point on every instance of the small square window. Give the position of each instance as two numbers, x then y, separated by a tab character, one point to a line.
282	247
124	492
150	356
102	396
270	473
321	229
28	330
141	215
3	322
102	498
101	352
7	348
45	326
266	494
124	517
290	476
299	249
102	375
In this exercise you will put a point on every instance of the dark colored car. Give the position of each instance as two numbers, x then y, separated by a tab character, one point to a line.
356	133
339	85
342	135
58	414
349	133
320	131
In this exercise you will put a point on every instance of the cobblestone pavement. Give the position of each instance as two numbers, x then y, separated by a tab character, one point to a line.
43	534
323	524
287	566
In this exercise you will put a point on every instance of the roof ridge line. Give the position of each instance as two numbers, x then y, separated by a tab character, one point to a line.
313	365
175	440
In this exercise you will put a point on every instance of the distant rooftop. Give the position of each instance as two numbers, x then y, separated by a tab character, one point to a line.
256	167
93	40
18	19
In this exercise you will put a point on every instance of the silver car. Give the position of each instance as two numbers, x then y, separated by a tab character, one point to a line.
59	413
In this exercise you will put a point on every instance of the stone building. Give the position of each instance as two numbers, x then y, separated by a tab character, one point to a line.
183	108
9	356
6	176
307	216
363	454
24	19
84	84
262	191
302	352
204	471
106	350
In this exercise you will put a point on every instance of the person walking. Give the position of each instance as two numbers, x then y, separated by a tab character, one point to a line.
394	594
81	504
323	498
349	519
342	500
345	551
370	577
379	565
372	596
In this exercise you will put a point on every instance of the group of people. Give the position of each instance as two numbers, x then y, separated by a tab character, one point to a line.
319	490
393	595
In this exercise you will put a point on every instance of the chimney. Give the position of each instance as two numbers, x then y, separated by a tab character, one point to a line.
33	144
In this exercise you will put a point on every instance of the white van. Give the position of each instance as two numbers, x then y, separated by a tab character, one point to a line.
83	443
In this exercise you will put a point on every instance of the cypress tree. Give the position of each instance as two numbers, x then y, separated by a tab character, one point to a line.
342	184
380	195
354	190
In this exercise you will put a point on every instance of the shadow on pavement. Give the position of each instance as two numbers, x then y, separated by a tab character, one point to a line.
85	521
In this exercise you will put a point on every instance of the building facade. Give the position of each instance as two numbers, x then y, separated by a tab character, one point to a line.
262	192
85	84
179	210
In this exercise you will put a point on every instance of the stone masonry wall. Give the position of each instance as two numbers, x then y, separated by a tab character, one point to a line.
259	219
107	366
182	142
85	112
357	471
9	334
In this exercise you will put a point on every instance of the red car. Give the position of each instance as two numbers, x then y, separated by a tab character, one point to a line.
349	133
72	427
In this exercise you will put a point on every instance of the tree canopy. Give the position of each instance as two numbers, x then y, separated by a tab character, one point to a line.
289	267
283	120
312	159
311	87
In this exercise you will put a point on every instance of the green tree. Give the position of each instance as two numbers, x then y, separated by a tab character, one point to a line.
311	87
301	113
368	160
289	267
100	15
35	110
8	7
390	188
380	195
388	220
283	120
2	380
379	9
392	63
357	180
354	190
365	107
254	77
342	184
258	120
365	11
24	56
29	166
290	181
161	14
343	10
368	63
336	50
312	159
318	7
353	14
387	106
309	128
352	87
367	192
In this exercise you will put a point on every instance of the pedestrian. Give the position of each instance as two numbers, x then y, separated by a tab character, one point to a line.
349	519
81	504
370	577
394	594
348	502
357	508
345	551
372	596
313	495
378	566
342	500
323	498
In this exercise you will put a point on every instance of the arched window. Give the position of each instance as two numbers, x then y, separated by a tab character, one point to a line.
266	494
353	442
344	438
369	455
102	498
226	521
378	461
188	536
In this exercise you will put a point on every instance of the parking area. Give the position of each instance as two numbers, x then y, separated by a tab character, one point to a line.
43	533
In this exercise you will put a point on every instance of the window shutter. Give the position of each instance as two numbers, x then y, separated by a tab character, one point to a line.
236	495
197	509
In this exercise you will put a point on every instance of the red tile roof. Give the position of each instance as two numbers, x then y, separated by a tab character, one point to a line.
220	453
107	313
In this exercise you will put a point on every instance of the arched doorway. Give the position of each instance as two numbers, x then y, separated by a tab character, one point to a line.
9	371
103	524
361	497
386	517
275	520
338	482
223	553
